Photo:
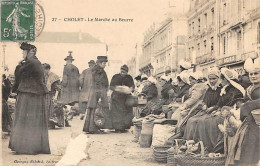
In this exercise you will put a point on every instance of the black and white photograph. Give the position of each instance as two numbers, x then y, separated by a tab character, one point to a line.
130	82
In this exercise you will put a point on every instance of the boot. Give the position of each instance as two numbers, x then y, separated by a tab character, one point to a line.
67	123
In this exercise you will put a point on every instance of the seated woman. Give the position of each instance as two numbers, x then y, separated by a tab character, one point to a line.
165	82
207	127
245	147
210	99
181	94
153	105
188	108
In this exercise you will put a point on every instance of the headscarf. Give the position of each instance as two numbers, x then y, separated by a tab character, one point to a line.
152	80
214	71
124	68
166	78
186	65
251	66
231	75
144	77
184	76
196	75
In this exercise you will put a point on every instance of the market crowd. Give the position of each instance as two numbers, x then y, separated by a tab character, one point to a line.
217	109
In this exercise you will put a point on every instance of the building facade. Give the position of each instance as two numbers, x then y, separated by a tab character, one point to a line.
132	67
202	39
164	46
239	24
223	33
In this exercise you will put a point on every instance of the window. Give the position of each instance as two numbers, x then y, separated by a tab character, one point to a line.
198	45
258	33
239	37
205	46
212	44
224	14
224	45
206	19
212	16
198	24
192	27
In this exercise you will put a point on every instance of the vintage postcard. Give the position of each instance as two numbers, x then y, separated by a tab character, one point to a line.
130	82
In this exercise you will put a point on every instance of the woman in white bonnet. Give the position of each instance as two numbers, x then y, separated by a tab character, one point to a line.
246	142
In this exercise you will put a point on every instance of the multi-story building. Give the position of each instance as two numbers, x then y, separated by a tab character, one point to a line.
202	39
132	67
223	33
164	46
147	47
239	32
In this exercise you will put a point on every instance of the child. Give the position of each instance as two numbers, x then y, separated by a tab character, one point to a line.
229	127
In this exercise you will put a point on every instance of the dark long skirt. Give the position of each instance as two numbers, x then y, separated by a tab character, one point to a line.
189	133
89	125
208	132
121	114
6	117
30	128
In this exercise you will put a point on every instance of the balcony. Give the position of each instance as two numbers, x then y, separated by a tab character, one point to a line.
205	58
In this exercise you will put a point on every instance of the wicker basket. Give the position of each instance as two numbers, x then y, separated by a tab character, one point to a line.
171	161
160	153
191	160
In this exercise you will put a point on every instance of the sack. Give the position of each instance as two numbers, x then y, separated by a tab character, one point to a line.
131	101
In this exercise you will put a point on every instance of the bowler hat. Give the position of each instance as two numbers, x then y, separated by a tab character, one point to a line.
69	58
102	59
91	62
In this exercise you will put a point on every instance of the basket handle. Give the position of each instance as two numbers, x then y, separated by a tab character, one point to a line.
176	142
202	148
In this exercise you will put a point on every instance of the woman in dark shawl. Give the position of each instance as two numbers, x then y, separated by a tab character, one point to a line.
153	105
121	114
210	99
245	146
30	128
165	81
207	128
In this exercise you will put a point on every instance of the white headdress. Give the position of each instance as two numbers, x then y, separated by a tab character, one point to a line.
251	66
231	75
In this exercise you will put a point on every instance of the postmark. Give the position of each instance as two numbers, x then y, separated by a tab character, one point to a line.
39	19
17	20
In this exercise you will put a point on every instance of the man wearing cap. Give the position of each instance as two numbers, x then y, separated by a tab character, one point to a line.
70	82
121	114
85	83
30	128
99	91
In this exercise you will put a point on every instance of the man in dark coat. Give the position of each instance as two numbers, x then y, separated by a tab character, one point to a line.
6	118
98	92
86	84
70	82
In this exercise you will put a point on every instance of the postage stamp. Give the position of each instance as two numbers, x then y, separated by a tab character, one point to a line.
17	20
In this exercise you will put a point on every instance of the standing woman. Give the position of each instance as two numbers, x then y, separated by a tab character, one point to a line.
121	114
30	129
